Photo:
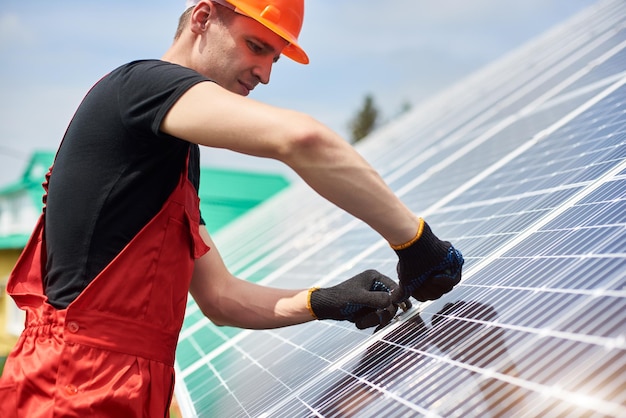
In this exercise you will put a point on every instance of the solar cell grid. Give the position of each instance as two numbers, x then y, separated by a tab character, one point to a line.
529	180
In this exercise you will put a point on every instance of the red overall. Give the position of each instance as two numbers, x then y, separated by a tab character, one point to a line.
110	353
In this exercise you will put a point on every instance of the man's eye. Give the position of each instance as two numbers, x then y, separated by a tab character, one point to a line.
254	47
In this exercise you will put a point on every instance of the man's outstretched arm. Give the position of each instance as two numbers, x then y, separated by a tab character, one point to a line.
212	116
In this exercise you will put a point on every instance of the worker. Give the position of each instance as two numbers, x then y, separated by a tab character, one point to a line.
105	276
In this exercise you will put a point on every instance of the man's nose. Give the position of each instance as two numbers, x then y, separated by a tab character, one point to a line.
263	72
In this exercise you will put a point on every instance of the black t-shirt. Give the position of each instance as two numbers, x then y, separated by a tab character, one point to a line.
113	172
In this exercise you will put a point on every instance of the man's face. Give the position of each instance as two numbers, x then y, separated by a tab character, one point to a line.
240	53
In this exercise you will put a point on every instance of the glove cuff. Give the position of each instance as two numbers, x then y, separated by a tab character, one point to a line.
425	253
308	301
323	303
418	235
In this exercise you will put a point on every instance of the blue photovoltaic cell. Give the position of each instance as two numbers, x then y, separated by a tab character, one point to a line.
522	167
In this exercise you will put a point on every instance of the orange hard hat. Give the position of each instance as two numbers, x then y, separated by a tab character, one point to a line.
283	17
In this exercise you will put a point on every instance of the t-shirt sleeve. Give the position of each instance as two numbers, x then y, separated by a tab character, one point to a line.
148	91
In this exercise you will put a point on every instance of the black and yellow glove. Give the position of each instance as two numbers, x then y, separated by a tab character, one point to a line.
427	267
365	300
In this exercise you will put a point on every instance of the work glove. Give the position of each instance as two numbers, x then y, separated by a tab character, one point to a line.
364	299
427	267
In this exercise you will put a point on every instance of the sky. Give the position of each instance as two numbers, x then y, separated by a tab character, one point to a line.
398	51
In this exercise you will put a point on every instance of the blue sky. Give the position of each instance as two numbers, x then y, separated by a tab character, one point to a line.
398	50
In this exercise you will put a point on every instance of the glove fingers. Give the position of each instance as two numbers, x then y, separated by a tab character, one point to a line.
432	292
386	316
376	290
367	320
380	317
383	283
399	296
392	288
437	286
374	299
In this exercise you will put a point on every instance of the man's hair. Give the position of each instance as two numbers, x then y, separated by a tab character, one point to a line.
224	15
182	22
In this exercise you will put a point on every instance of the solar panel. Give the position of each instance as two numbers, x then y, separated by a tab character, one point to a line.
523	167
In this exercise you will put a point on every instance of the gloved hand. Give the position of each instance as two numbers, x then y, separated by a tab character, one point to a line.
428	267
364	299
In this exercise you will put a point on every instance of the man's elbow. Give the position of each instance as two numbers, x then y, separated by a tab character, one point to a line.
218	322
214	315
309	143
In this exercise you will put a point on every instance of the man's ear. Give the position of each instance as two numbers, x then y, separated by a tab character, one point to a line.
200	16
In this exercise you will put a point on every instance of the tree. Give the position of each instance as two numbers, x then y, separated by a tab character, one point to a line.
365	121
406	106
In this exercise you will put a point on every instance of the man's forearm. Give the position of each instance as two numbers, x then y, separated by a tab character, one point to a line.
338	173
248	305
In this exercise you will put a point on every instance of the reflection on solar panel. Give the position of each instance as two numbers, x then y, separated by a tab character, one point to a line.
523	167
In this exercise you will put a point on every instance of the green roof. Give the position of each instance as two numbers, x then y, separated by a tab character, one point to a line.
32	178
224	194
30	183
227	194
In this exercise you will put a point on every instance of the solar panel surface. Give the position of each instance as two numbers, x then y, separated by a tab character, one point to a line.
523	167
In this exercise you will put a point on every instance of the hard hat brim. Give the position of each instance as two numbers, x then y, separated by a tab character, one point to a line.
296	53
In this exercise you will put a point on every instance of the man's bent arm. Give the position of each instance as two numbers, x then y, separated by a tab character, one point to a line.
227	300
212	116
